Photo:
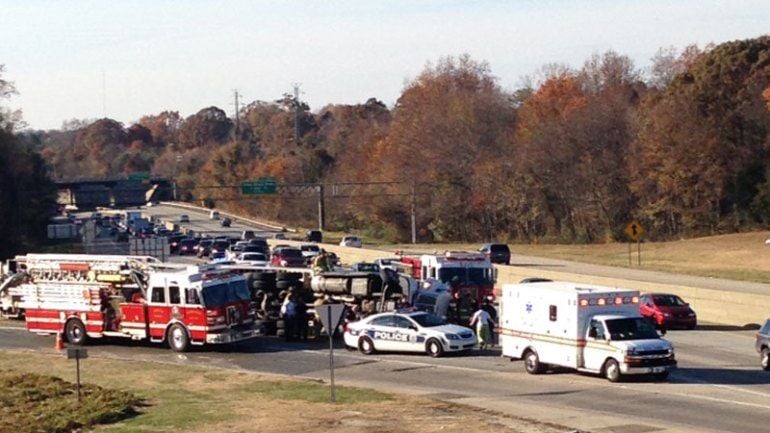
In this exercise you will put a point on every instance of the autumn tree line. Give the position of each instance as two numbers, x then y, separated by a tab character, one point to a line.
573	155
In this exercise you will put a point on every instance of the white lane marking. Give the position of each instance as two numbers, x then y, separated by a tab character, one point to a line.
727	387
12	328
399	361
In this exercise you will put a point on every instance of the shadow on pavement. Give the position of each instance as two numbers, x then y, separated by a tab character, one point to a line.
723	376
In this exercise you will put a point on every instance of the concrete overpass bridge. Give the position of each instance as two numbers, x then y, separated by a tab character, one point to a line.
88	193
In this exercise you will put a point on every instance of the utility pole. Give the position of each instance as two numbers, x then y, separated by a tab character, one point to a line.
321	208
414	215
297	108
237	114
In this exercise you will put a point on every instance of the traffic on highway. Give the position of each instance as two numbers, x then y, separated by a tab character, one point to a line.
250	295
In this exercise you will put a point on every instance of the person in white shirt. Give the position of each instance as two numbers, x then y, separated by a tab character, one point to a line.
483	322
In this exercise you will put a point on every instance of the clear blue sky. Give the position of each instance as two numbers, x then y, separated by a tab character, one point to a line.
124	59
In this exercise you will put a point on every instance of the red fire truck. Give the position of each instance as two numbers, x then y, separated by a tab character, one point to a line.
464	272
93	296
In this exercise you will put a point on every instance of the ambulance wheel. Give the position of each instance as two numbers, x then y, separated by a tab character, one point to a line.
75	332
434	348
612	370
532	362
365	345
177	337
765	360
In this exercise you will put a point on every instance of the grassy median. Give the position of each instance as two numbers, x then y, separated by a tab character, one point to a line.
156	397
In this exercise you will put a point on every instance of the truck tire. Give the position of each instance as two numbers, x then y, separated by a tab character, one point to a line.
75	332
365	345
434	348
532	362
765	359
284	284
612	370
177	338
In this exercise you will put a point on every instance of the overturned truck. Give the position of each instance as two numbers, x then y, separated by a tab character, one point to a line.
363	293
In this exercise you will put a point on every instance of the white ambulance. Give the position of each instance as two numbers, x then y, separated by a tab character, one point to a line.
589	328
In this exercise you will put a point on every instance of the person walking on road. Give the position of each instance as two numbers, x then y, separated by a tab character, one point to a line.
483	322
489	308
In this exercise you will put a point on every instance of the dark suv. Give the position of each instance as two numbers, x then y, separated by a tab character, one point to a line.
497	253
763	345
314	236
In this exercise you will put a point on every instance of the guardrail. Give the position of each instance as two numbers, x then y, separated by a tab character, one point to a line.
229	215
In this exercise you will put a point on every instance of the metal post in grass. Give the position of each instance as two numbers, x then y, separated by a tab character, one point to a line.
77	353
330	315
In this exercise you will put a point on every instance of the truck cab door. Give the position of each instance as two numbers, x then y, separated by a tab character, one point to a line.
597	347
158	312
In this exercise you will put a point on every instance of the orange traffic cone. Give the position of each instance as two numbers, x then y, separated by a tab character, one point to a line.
59	343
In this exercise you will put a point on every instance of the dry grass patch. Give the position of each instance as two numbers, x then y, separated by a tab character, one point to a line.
741	256
36	403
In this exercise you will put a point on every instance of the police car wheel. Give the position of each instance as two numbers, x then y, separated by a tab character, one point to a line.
365	345
434	348
612	370
766	359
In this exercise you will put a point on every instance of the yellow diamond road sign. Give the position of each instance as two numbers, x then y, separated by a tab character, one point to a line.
634	230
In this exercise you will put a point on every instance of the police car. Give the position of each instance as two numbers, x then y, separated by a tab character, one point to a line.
408	332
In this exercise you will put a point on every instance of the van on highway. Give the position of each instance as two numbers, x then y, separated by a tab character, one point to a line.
588	328
214	215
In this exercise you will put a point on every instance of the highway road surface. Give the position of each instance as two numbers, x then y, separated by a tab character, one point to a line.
718	387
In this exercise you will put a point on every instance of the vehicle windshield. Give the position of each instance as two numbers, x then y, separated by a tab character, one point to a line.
669	301
464	275
428	320
291	252
254	256
223	294
635	328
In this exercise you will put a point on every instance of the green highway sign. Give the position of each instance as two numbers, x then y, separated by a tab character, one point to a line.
139	176
263	185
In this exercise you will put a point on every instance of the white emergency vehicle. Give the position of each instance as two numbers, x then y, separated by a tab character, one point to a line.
588	328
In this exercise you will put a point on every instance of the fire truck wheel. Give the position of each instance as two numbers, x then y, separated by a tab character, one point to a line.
178	339
366	346
612	370
532	362
434	348
75	332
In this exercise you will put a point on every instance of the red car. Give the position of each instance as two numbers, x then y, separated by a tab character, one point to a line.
667	310
287	257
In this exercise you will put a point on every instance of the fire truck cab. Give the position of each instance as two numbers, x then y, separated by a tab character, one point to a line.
463	271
